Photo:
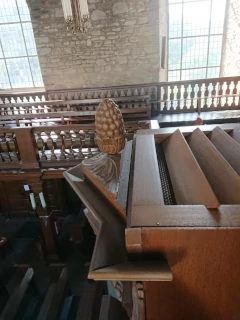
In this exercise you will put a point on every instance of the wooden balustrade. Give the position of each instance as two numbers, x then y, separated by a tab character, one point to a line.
52	146
9	154
200	95
165	97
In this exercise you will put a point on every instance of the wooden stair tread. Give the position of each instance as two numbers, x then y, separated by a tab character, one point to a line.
189	183
146	154
223	179
227	146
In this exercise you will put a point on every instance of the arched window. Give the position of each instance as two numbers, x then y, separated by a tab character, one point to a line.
19	64
195	38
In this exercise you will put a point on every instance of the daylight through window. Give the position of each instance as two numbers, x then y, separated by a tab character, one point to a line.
195	38
19	65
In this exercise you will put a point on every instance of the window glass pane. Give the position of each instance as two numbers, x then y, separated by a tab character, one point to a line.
173	75
4	82
29	38
213	72
194	74
196	18
23	10
215	48
174	58
12	40
8	11
19	73
194	52
19	64
1	53
175	21
174	1
36	71
218	15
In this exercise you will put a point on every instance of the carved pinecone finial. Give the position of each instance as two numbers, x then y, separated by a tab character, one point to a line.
109	127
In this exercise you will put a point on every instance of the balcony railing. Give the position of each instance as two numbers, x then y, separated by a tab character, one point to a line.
165	97
53	146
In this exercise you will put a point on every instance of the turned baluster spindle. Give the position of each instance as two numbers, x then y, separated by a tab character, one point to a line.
171	97
185	96
13	147
40	145
165	97
68	144
78	145
234	91
60	145
213	94
206	93
179	97
227	92
220	92
4	147
50	145
192	96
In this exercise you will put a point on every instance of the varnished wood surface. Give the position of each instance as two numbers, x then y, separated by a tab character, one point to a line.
68	114
206	273
125	164
162	134
185	216
227	146
134	271
224	181
235	133
147	187
190	186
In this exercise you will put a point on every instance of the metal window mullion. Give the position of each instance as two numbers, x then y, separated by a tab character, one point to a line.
2	23
4	59
209	32
181	45
198	36
187	2
16	57
195	68
25	44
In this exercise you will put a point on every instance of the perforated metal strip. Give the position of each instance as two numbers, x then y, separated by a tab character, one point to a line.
168	194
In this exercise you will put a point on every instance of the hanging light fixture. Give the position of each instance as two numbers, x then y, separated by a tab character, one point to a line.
76	15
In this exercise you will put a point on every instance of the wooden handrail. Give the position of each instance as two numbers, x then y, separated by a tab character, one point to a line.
52	146
183	95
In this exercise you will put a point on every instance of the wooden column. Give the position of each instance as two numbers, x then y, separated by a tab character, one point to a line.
27	148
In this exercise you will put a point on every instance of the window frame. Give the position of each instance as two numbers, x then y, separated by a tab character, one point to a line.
208	35
28	56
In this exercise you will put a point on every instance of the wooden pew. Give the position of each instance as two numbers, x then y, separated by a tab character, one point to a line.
60	111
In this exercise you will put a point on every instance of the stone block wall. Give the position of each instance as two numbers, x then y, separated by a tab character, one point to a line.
123	45
230	64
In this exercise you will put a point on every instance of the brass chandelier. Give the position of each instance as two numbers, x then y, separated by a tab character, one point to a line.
76	15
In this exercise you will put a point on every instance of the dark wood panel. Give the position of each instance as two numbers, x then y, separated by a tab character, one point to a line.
16	200
54	194
206	274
